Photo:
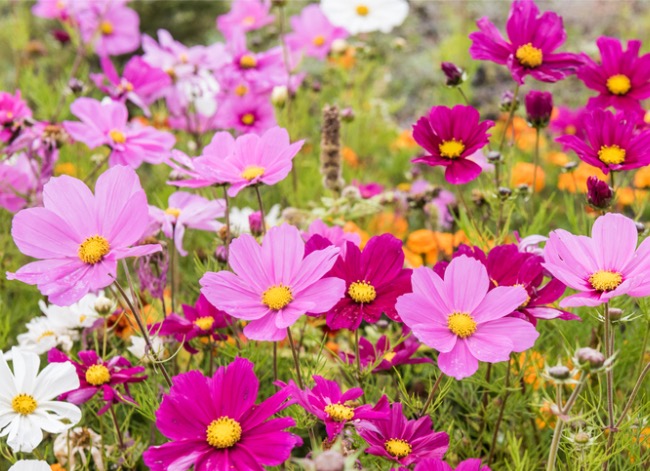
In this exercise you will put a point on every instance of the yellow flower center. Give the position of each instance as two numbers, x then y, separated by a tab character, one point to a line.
117	136
461	324
611	155
223	432
277	297
247	61
362	292
252	172
106	27
389	356
248	119
362	10
451	149
570	129
173	212
398	448
204	323
319	40
248	21
339	412
241	90
93	249
619	84
47	333
529	56
98	375
24	404
605	280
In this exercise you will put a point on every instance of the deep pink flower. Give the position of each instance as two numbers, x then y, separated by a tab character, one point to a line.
186	210
18	182
79	237
599	193
244	16
602	266
533	40
13	111
334	407
568	121
111	27
368	190
96	375
401	440
374	278
611	142
251	113
313	33
451	136
621	78
461	318
273	284
214	423
435	464
52	9
539	106
106	123
334	234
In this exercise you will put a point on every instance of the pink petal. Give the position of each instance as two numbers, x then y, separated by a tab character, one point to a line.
499	302
459	363
466	282
615	237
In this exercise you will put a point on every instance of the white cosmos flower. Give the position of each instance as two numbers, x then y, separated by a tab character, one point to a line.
239	219
43	335
140	351
30	465
78	315
26	400
365	16
80	444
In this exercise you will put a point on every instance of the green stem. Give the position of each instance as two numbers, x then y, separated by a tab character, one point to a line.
118	432
261	206
535	164
358	362
227	217
609	344
500	417
510	116
432	393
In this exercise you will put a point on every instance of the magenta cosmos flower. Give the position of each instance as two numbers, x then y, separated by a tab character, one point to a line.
18	183
106	123
611	142
401	440
334	234
622	78
451	136
80	237
13	111
464	321
374	279
214	423
334	407
251	113
530	49
313	33
602	266
52	9
244	16
473	464
568	121
96	375
108	25
186	210
273	284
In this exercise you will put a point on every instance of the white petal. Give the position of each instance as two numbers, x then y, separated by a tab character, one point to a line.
24	435
25	370
30	465
7	381
55	379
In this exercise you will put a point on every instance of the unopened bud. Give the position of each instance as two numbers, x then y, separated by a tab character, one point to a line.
455	75
581	438
104	306
279	95
330	460
494	156
590	358
599	193
339	46
559	372
615	314
347	115
255	222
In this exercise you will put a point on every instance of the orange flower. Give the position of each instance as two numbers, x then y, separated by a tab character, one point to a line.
578	178
346	60
642	178
557	158
65	168
524	135
523	174
388	221
353	228
531	364
350	156
546	418
404	141
57	467
412	259
628	196
422	241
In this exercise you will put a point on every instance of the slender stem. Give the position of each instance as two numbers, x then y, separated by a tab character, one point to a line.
609	343
95	169
633	394
462	93
227	215
484	403
81	53
301	385
500	417
559	425
172	268
432	393
535	164
510	116
261	205
120	439
358	361
555	444
611	180
275	362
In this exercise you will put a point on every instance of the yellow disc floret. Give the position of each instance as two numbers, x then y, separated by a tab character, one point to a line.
611	155
223	432
106	27
461	324
252	172
339	412
529	56
117	136
98	375
605	280
247	62
93	249
388	356
204	323
173	212
398	448
451	149
319	40
619	84
241	90
24	404
362	10
362	292
277	297
248	119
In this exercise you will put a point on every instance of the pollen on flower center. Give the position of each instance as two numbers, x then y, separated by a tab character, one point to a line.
93	249
277	297
319	40
248	21
248	119
451	148
398	448
24	404
389	356
529	56
241	90
339	412
204	323
252	172
611	155
619	84
98	375
247	61
362	10
47	333
461	324
106	27
117	136
173	212
362	292
605	280
223	432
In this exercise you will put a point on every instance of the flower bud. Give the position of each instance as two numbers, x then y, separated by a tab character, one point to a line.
504	192
589	358
279	95
494	156
455	75
581	438
330	460
599	193
640	227
570	167
61	36
615	314
339	46
508	102
104	306
255	222
559	372
221	254
347	115
539	106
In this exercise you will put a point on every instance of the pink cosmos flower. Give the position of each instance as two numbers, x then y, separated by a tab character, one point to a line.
464	321
596	266
106	123
313	33
435	464
401	440
111	27
96	375
368	190
186	210
251	114
611	142
533	40
244	16
568	121
334	407
214	423
141	84
273	284
79	237
13	111
52	9
202	171
621	78
334	234
451	136
18	183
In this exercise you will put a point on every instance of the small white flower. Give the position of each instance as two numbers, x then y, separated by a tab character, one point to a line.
43	334
26	400
30	465
365	16
79	315
139	348
76	445
239	219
